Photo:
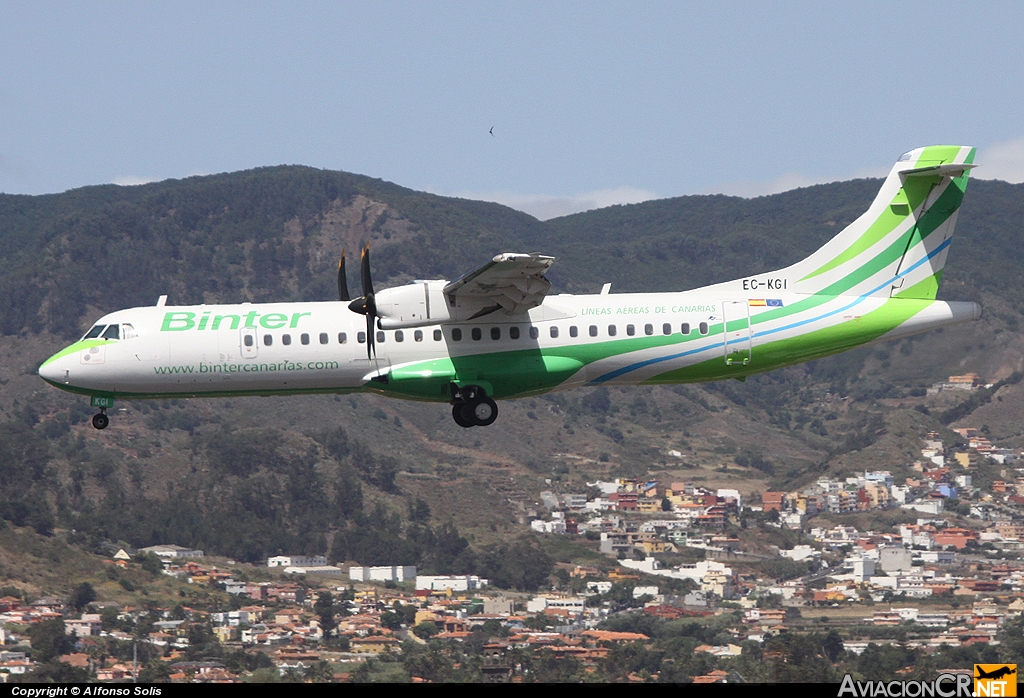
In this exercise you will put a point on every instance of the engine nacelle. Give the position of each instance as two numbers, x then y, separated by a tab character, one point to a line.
413	305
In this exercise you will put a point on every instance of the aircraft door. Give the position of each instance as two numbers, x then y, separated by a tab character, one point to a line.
738	344
248	343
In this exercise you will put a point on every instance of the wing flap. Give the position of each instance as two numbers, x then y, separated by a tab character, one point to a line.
516	282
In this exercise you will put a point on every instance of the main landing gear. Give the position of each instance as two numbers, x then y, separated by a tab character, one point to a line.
472	408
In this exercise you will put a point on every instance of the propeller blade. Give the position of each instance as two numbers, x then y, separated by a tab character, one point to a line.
369	302
365	271
342	280
371	349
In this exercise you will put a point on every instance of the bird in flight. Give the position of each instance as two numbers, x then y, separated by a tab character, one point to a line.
491	131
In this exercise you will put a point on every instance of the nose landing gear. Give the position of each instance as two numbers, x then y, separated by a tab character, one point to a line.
101	420
472	408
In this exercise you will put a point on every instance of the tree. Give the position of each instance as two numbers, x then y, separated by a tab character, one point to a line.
150	562
425	630
324	607
833	645
82	596
49	640
419	511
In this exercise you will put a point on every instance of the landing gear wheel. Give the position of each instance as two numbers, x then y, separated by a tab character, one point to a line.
484	412
457	415
100	421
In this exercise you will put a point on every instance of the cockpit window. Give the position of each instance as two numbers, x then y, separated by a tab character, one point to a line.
113	332
129	330
95	332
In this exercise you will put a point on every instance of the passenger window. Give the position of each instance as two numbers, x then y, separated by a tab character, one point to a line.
268	340
437	335
611	330
573	331
630	330
343	338
418	335
113	332
666	328
703	327
399	336
380	337
686	328
476	334
593	330
361	337
495	333
554	332
95	332
324	338
513	332
286	339
248	341
534	332
304	338
456	335
648	329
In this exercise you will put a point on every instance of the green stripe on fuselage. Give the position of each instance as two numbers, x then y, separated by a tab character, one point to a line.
805	347
77	346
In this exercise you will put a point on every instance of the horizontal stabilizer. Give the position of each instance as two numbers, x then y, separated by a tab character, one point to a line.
951	170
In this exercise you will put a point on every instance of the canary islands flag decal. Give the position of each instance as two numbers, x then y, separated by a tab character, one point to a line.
995	680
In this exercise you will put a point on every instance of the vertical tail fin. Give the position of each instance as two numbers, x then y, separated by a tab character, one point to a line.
898	246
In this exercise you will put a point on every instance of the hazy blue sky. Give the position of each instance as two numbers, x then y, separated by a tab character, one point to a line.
592	103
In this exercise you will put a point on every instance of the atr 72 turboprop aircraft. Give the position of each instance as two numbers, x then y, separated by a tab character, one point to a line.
496	333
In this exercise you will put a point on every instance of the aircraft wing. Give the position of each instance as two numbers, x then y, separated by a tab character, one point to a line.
513	281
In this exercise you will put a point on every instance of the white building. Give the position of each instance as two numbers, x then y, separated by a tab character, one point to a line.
895	560
575	604
317	569
231	618
642	591
170	551
455	582
801	552
296	561
554	526
863	569
385	573
925	506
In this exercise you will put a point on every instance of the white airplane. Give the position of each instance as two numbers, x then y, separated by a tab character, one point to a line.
496	333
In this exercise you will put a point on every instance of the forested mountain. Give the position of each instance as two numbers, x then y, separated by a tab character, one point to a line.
364	477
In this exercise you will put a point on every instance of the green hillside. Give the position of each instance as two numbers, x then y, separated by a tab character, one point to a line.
366	478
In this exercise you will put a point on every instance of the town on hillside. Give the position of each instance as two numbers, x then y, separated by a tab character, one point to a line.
684	583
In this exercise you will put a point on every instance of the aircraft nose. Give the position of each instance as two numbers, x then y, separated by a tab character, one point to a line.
54	370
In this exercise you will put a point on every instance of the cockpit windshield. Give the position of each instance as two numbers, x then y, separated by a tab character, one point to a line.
109	332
